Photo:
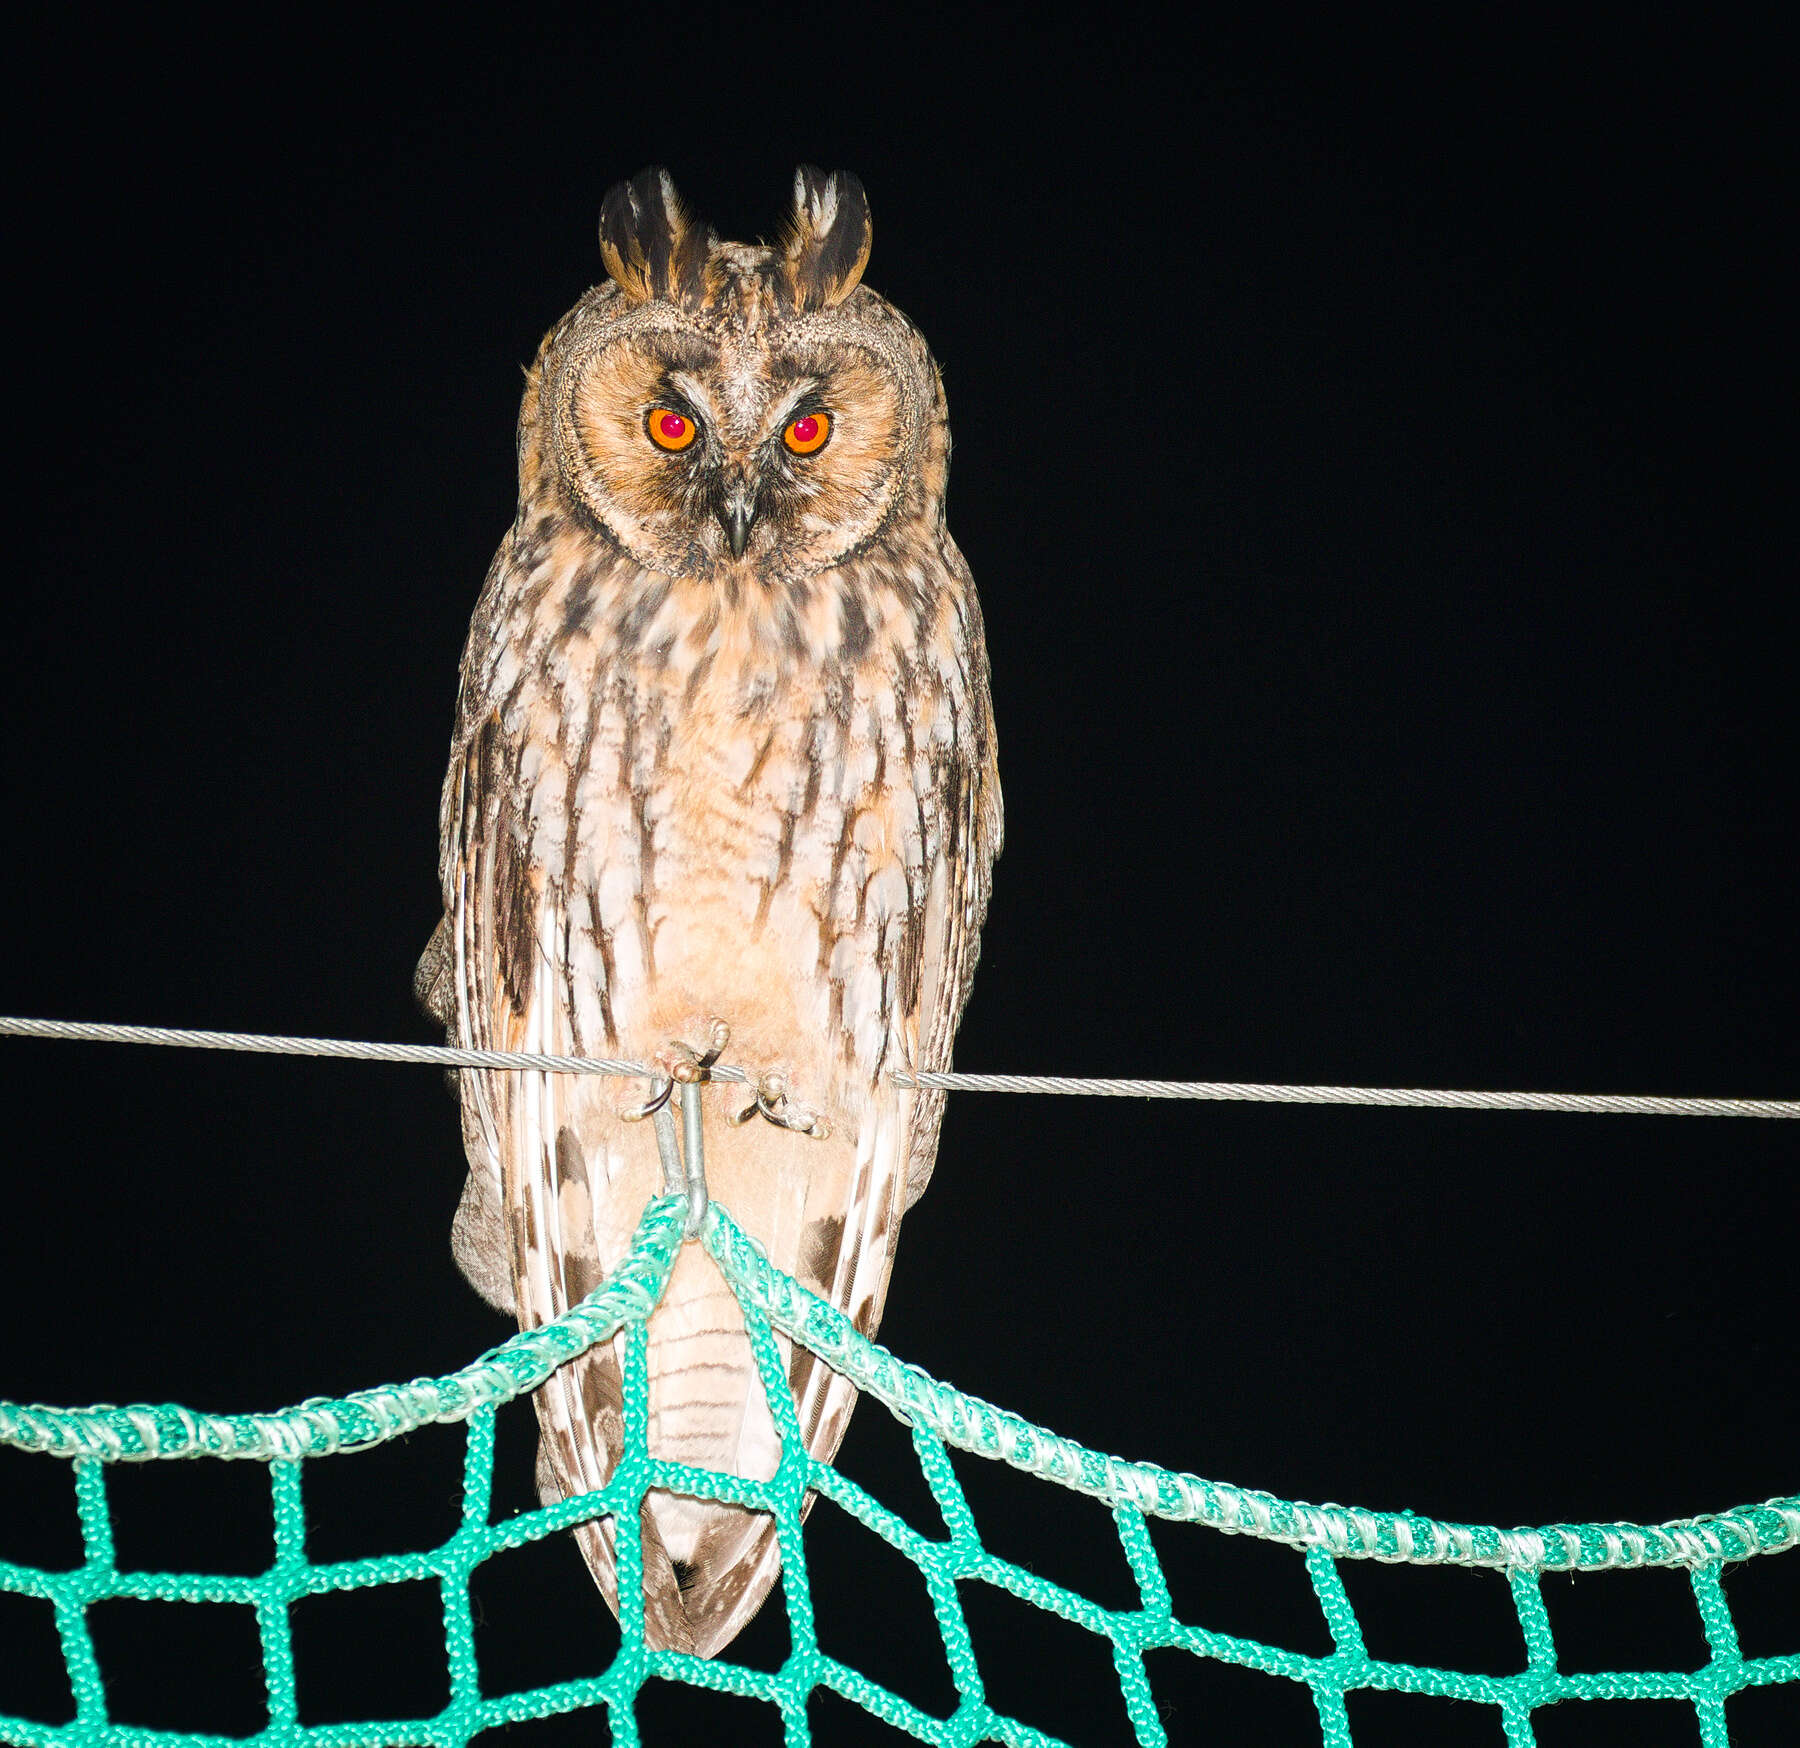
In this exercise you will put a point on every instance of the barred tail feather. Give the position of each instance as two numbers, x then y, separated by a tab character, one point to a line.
825	1211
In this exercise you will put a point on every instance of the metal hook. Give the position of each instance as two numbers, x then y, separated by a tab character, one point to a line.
693	1158
683	1162
669	1152
660	1089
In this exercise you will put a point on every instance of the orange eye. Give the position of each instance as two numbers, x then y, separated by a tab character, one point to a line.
808	434
669	429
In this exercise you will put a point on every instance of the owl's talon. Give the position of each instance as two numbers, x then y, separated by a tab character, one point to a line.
690	1065
680	1065
773	1105
661	1089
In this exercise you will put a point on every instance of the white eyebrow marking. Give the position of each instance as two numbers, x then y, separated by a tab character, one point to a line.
781	409
695	390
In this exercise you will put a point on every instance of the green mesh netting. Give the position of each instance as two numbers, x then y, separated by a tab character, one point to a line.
938	1416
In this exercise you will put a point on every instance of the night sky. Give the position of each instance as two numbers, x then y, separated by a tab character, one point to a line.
1374	455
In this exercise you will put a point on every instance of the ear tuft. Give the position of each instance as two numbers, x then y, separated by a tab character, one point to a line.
650	245
827	238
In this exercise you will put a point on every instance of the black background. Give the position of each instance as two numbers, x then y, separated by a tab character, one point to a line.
1374	452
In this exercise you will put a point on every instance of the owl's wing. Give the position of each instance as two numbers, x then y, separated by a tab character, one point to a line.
959	883
532	1227
934	953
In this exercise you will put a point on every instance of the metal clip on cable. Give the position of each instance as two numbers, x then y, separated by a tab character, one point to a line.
693	1157
683	1162
684	1166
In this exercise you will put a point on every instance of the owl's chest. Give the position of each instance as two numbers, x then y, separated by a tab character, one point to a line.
689	800
734	861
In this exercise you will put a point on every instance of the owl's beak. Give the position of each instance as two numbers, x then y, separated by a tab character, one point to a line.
737	512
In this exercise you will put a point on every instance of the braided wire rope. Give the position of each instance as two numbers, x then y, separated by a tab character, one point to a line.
1081	1086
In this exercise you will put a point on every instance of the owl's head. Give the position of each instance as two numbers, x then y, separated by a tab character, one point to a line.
734	410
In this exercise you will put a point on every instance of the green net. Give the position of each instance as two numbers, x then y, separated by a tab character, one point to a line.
939	1417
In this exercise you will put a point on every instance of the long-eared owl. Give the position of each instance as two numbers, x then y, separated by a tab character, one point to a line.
723	752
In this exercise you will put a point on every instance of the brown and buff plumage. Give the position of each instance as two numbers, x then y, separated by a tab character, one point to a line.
689	782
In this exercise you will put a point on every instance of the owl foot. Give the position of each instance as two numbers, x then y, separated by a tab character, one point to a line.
680	1064
660	1089
690	1065
774	1104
